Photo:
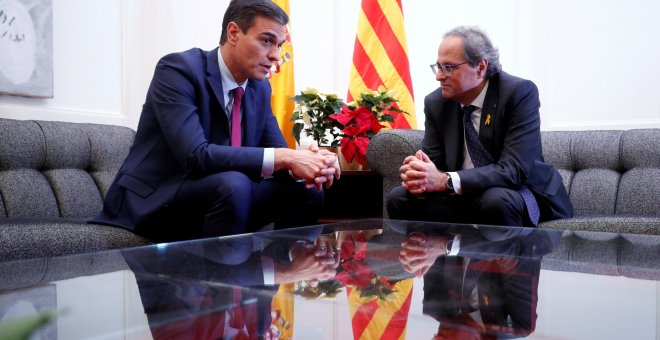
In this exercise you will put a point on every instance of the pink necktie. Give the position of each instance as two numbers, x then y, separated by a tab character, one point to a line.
236	117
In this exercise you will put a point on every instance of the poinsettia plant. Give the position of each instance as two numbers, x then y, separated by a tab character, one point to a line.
355	272
362	119
312	116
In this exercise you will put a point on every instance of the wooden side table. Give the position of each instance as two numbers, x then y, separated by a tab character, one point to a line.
357	195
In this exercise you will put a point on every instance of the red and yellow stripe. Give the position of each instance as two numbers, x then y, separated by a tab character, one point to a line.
385	320
380	57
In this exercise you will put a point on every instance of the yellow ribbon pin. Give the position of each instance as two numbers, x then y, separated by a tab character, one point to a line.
487	123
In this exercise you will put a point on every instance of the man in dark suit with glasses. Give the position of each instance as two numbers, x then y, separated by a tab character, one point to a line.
481	159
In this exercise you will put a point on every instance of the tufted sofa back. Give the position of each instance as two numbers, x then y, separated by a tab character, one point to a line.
608	172
51	170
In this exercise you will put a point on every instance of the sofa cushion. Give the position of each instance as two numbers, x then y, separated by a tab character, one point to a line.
593	191
23	145
76	192
639	149
639	192
608	223
109	147
61	237
67	146
51	169
26	193
606	254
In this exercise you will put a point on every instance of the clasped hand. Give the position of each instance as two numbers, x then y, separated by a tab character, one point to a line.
311	263
419	175
316	167
420	251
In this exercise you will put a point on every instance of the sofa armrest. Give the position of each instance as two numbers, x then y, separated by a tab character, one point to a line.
386	152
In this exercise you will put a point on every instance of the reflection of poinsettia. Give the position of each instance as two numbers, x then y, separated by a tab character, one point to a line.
362	120
354	271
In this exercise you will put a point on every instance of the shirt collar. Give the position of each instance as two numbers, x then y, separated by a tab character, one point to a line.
228	81
479	101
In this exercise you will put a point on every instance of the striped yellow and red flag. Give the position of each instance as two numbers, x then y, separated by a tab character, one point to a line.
380	57
386	320
281	81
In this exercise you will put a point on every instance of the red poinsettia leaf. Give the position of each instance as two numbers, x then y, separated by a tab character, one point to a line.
376	126
364	120
343	118
343	277
360	149
347	248
348	148
352	130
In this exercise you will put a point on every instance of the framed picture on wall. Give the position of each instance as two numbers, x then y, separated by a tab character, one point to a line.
26	48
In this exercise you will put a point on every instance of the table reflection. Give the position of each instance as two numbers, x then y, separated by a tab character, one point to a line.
488	289
223	288
478	282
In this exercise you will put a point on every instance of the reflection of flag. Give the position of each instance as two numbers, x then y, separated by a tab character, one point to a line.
282	83
380	57
385	320
282	313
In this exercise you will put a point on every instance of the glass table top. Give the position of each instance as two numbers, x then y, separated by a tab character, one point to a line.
369	279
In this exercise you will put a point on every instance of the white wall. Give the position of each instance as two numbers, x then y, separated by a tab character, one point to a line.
593	61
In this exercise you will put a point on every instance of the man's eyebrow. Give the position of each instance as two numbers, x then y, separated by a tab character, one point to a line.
274	37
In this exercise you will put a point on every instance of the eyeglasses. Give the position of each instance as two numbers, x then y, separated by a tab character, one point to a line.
447	69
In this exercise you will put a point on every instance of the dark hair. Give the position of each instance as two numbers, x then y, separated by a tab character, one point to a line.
477	48
243	13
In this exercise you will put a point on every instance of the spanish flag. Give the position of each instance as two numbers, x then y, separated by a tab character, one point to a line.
281	81
380	57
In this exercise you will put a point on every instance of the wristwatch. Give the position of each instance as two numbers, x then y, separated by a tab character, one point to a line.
450	184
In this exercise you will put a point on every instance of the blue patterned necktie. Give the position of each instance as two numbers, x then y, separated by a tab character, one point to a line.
481	157
478	153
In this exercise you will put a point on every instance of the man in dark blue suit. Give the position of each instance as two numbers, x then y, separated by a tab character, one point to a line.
208	157
489	170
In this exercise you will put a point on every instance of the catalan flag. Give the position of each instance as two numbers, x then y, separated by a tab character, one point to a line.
380	57
385	320
281	81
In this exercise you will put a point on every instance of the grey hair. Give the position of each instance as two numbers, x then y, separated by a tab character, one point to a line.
243	13
477	48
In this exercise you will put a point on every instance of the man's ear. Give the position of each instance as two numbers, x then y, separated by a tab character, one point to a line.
483	67
232	32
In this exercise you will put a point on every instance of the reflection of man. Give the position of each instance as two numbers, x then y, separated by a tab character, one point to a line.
209	158
489	170
220	288
486	288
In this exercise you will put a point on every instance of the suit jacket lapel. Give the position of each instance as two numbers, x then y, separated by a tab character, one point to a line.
454	136
213	75
249	115
489	115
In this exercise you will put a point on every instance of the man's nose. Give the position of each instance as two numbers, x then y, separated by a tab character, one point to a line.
274	54
439	76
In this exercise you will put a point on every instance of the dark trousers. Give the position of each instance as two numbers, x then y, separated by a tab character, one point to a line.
496	206
229	203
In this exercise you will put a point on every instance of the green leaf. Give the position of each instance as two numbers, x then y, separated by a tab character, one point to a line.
297	128
24	327
298	99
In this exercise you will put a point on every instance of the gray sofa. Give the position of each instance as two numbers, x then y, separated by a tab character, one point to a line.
53	178
612	177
